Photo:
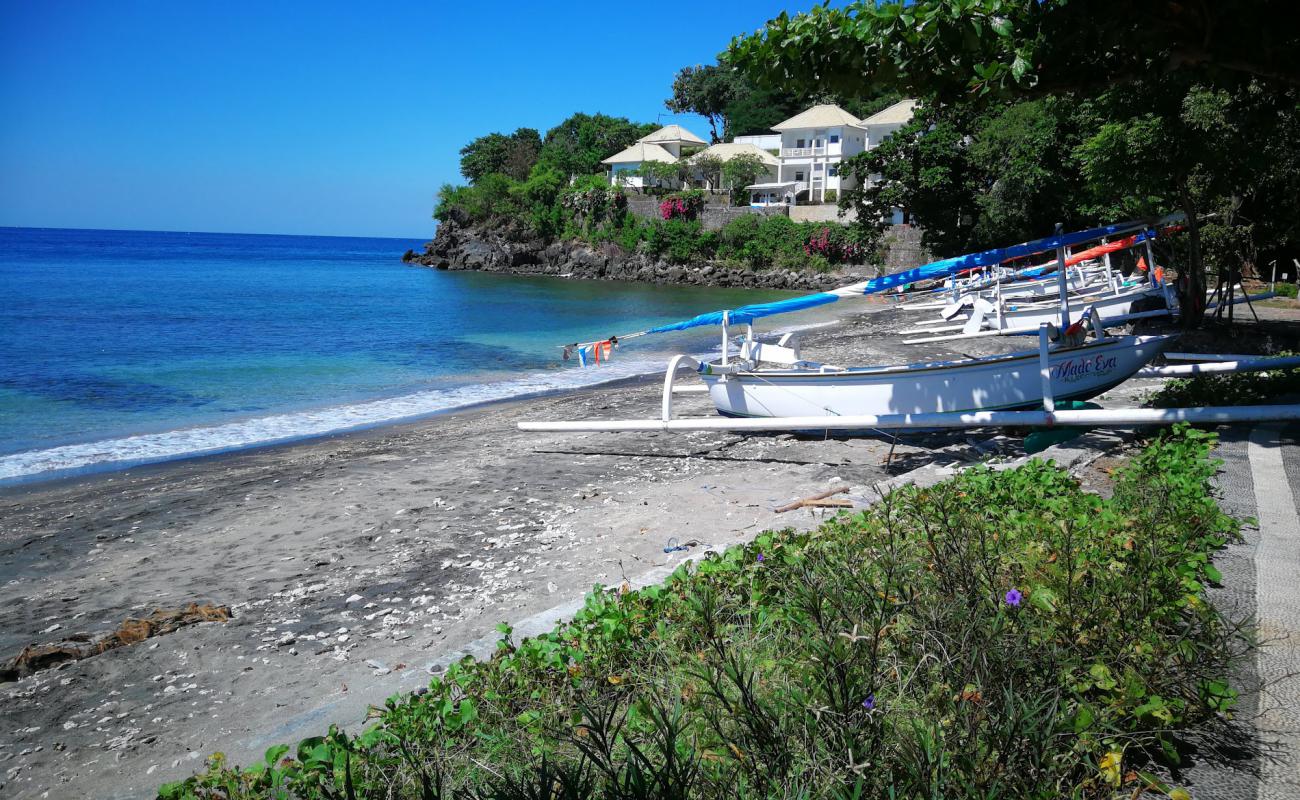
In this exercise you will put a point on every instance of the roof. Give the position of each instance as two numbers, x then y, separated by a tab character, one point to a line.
641	152
781	185
823	116
672	133
729	150
899	113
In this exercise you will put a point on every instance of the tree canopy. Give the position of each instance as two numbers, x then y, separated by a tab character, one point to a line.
1035	111
512	155
578	144
949	48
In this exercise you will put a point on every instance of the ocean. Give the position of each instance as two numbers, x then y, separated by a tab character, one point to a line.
127	347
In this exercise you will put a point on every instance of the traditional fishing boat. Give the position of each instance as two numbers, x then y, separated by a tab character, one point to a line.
770	386
1074	360
1002	382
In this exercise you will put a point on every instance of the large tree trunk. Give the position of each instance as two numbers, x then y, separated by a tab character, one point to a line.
1192	292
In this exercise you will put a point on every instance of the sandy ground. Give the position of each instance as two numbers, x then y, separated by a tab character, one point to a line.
357	565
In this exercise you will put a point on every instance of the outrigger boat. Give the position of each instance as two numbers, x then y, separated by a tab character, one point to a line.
772	387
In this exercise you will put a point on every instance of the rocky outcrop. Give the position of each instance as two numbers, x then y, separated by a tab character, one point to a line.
518	251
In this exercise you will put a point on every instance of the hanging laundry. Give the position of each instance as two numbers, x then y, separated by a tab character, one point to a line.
582	356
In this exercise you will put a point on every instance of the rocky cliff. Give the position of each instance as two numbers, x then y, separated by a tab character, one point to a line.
518	251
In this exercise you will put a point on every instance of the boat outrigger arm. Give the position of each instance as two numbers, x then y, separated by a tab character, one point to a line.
1072	362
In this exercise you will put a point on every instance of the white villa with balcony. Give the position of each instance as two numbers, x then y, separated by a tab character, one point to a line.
664	145
813	145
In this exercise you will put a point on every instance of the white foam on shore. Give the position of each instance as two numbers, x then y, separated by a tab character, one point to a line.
279	428
152	448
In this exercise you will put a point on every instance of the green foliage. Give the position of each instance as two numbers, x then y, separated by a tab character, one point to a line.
953	49
709	167
592	202
578	144
1287	290
512	155
491	198
538	197
1229	389
741	171
1169	107
1003	634
658	175
703	90
679	241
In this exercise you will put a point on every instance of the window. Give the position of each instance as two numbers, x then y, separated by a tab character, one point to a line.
835	138
818	167
799	143
834	170
798	176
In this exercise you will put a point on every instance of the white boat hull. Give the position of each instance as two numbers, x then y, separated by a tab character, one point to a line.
984	384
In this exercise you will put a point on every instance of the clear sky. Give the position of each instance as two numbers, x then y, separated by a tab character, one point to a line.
310	117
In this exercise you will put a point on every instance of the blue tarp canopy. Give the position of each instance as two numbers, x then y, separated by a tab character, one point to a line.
747	314
950	266
936	269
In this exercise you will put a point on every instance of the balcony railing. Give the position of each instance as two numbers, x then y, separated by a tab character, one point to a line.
797	152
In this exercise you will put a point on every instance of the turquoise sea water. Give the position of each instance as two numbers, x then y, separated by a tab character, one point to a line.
121	347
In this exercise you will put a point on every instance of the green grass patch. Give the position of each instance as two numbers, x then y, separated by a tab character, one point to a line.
1229	389
1003	634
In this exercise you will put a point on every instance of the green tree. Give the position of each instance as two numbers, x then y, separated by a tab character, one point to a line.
741	171
578	144
703	90
658	174
709	168
512	155
1140	64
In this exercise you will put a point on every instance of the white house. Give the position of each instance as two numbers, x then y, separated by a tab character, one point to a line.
664	145
815	143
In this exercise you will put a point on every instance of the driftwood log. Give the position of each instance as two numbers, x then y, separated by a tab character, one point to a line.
820	501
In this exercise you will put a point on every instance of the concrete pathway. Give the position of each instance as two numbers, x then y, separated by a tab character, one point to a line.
1260	478
1275	472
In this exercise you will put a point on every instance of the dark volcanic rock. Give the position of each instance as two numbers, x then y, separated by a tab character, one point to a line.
516	250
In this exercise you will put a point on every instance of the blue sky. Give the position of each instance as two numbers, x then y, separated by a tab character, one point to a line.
314	118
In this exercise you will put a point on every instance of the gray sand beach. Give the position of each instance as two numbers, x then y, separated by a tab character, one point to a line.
358	565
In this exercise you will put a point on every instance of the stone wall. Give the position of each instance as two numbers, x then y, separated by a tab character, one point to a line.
713	217
903	250
823	213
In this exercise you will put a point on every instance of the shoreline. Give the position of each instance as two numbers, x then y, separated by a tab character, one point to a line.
358	564
98	468
353	562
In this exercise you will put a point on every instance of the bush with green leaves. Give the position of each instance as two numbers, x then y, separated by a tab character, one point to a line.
1230	388
1287	290
1002	634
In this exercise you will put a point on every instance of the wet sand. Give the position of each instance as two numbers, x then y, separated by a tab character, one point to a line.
356	565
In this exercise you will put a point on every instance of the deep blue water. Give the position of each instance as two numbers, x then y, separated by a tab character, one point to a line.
130	346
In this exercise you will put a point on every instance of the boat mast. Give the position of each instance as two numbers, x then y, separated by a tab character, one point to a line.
1062	286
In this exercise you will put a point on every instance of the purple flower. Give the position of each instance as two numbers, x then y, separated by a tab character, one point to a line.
1014	597
760	558
870	703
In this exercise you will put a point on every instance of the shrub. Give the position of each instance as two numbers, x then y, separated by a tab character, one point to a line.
763	241
685	205
834	244
1004	634
832	195
1229	389
1287	290
592	201
488	199
680	241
